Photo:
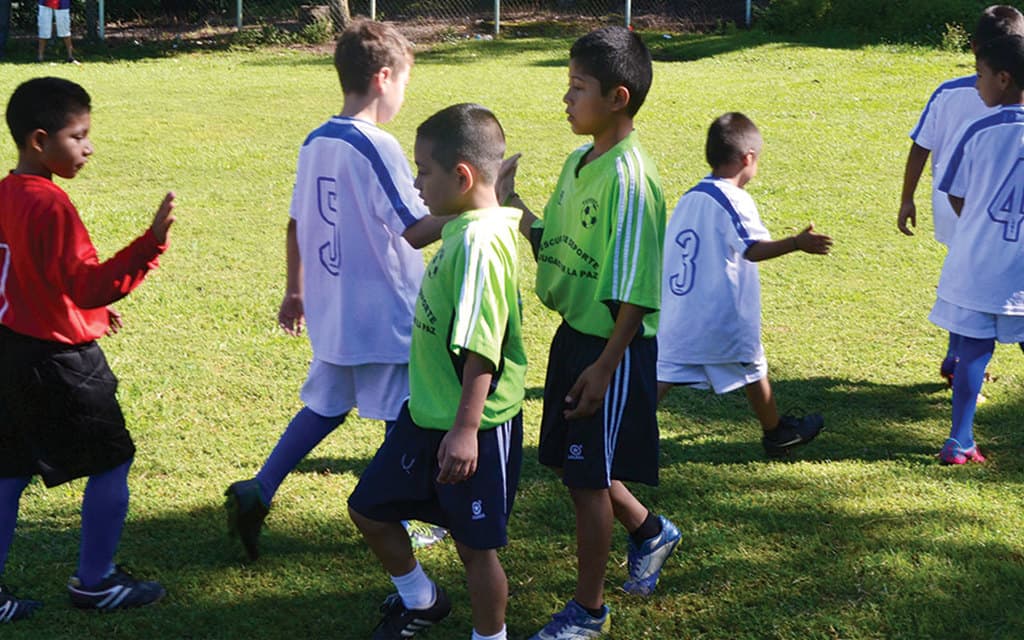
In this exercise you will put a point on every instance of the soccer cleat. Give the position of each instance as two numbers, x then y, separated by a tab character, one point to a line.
246	512
953	453
13	608
792	431
646	561
119	590
574	623
423	534
398	622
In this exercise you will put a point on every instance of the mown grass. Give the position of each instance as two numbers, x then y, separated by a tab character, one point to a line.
863	535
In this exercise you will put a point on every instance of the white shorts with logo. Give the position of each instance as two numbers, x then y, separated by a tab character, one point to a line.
377	389
722	377
977	324
46	19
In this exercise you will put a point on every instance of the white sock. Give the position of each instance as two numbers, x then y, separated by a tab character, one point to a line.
498	636
416	589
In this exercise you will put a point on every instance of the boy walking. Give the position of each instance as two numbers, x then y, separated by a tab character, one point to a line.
952	105
598	252
710	334
58	11
453	457
61	419
353	264
981	289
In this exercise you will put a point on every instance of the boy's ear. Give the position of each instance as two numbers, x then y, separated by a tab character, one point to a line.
620	98
36	140
466	175
378	79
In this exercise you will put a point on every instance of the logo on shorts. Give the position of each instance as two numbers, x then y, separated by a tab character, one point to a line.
478	510
407	465
576	452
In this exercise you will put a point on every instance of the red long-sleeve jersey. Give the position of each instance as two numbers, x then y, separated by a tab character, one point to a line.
52	286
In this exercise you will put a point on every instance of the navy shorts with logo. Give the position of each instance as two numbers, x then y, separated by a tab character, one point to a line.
401	482
618	442
59	415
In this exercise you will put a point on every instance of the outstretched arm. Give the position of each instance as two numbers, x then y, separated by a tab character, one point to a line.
426	230
291	316
916	160
457	454
806	241
505	187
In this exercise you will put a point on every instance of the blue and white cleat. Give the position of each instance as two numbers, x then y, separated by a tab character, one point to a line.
574	623
119	590
646	561
13	608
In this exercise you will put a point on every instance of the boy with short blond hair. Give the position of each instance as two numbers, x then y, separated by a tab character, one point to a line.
353	264
453	457
598	252
59	415
710	333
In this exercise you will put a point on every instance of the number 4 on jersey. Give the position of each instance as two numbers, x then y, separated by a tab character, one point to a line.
1007	208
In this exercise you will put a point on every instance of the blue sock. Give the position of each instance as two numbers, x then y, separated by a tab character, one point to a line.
967	380
952	351
10	496
304	432
104	508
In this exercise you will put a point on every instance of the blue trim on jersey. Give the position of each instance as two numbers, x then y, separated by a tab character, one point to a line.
966	82
708	187
348	132
1010	114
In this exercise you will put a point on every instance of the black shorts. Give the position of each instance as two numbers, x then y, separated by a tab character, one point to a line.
59	415
401	482
618	442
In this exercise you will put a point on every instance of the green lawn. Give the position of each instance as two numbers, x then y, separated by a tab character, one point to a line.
864	535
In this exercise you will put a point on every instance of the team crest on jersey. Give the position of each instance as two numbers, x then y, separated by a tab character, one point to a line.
478	510
435	263
588	215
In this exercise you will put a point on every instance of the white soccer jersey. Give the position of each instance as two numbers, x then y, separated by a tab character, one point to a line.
984	269
710	293
953	104
353	199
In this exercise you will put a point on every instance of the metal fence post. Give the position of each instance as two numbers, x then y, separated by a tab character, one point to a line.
497	16
238	15
629	12
373	9
101	20
748	14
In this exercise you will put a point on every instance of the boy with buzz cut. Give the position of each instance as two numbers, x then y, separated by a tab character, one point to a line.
453	456
59	415
951	106
353	265
598	252
710	334
981	289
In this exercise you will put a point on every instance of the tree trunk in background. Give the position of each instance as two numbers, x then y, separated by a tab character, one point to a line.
340	14
92	20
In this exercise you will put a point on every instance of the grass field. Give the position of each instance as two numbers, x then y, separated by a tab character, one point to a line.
863	535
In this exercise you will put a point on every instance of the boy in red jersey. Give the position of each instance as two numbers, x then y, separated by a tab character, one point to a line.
59	415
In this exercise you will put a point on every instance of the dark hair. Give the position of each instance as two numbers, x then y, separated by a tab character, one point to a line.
616	57
997	21
465	133
364	49
44	103
730	136
1005	54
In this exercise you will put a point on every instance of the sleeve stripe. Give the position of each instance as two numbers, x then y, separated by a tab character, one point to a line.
471	296
361	143
1011	115
628	227
959	83
710	189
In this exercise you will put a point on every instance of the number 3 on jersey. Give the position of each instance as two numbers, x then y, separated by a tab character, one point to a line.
681	281
1007	208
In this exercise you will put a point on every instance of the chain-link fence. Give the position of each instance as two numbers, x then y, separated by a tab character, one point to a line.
318	20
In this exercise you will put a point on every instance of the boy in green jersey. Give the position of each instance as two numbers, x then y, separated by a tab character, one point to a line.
598	252
454	454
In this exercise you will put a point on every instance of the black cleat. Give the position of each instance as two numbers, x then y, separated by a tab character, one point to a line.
246	512
119	590
400	623
13	608
793	431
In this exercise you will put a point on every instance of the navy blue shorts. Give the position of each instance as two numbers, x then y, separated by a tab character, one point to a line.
618	442
59	417
401	482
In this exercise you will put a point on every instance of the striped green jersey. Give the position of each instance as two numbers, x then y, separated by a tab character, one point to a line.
469	301
603	231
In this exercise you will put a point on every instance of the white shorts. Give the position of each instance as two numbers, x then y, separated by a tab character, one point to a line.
723	378
46	18
977	324
377	389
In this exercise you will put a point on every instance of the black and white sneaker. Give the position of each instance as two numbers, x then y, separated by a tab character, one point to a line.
792	431
13	608
119	590
400	623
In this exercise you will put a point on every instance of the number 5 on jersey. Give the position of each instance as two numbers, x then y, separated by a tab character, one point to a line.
681	281
1007	208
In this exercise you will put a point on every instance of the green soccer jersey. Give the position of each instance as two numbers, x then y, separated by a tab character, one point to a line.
602	240
469	301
